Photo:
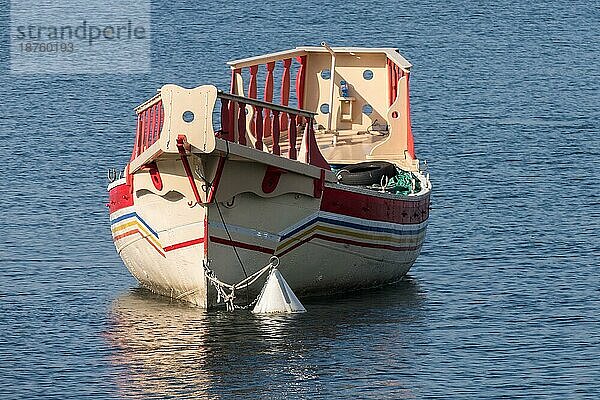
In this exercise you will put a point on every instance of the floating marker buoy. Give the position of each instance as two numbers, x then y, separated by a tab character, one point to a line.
277	297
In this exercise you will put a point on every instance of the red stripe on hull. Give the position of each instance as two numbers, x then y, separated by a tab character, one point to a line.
184	244
374	208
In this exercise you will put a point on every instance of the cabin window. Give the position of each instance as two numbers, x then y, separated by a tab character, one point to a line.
367	109
367	74
188	116
324	108
326	74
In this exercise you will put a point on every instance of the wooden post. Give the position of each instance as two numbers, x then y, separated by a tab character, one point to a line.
276	131
161	120
390	81
300	81
268	97
146	128
292	152
224	119
394	83
252	84
241	123
259	128
138	138
285	91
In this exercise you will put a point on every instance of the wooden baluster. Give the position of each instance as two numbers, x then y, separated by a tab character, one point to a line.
268	97
232	86
308	130
390	82
242	123
252	84
224	118
259	128
292	152
231	120
285	91
162	118
155	117
300	82
146	129
252	93
232	105
394	83
276	131
138	137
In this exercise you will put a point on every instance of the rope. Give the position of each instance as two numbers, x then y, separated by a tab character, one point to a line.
229	298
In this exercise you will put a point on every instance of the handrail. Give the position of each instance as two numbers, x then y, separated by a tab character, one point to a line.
265	104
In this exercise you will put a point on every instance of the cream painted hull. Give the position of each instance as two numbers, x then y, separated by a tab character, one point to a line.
165	239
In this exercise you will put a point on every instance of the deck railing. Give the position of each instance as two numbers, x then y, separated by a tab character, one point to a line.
237	117
243	122
150	119
270	93
395	73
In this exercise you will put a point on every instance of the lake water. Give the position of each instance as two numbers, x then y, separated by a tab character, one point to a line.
503	302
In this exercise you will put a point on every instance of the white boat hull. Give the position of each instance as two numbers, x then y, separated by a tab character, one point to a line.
341	239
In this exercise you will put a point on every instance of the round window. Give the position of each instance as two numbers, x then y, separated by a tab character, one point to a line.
324	108
188	116
367	109
368	74
326	74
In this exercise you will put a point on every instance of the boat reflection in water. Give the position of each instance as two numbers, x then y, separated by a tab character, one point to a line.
160	346
169	349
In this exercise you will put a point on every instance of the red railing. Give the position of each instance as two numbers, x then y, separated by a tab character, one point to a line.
269	91
395	72
235	120
150	119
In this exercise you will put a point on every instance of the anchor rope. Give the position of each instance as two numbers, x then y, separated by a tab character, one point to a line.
222	287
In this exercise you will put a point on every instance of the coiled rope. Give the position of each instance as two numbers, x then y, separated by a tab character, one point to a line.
222	288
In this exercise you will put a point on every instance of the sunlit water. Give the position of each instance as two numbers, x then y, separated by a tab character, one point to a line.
503	301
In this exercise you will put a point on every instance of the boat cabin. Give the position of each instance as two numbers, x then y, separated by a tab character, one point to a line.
359	97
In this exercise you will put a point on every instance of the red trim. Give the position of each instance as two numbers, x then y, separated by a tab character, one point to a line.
119	197
184	244
155	175
186	166
216	180
319	185
242	245
374	208
271	179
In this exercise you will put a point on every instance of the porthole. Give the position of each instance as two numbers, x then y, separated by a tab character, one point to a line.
326	74
188	116
324	108
367	109
367	74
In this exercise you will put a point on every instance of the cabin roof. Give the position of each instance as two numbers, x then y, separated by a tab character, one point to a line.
391	52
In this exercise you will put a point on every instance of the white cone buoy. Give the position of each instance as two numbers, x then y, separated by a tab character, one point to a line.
277	297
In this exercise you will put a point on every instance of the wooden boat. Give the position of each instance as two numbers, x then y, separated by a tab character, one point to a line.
321	173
